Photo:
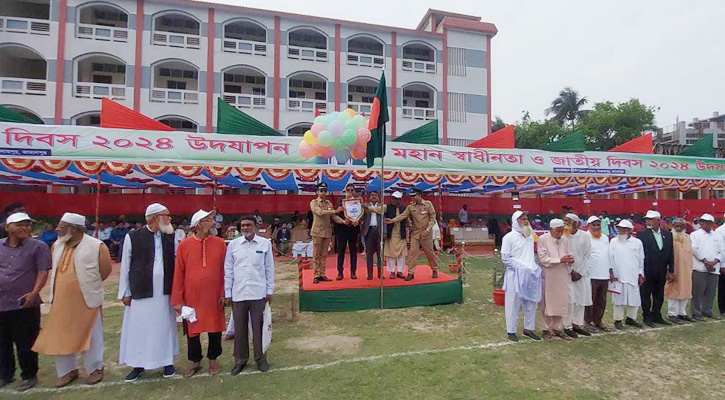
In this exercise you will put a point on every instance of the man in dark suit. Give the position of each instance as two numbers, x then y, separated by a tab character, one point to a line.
659	264
370	231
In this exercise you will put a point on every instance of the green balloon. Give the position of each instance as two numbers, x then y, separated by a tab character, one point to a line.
352	125
349	137
337	144
325	138
360	122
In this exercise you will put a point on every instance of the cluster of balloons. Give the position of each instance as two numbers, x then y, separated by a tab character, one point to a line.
343	135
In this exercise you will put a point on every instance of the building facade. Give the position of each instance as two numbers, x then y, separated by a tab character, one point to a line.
674	138
172	59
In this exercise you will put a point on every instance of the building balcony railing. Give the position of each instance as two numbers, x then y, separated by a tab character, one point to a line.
365	60
24	25
90	90
244	47
253	101
176	40
105	33
307	105
360	107
419	113
306	54
419	66
177	96
23	86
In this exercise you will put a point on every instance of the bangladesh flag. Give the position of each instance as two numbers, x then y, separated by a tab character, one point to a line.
376	124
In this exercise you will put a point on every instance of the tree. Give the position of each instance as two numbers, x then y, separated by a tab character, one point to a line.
535	135
567	107
609	125
498	124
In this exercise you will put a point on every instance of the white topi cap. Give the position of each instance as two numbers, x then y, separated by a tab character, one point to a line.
74	219
18	217
592	219
572	217
397	195
625	223
651	214
556	223
707	217
154	209
198	216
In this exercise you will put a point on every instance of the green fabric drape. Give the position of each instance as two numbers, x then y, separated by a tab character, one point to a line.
7	115
701	148
232	121
571	143
425	134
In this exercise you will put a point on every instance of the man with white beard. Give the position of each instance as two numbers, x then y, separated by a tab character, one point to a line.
522	280
580	287
707	253
599	274
148	334
678	288
627	262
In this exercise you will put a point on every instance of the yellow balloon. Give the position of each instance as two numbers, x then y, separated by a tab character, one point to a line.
350	111
309	138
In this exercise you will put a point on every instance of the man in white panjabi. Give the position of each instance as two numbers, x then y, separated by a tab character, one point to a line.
580	287
627	260
148	334
522	280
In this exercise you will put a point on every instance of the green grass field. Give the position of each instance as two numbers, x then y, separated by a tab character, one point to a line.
456	351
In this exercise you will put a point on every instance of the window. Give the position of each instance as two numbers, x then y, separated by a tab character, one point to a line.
420	53
416	94
177	73
456	107
103	67
298	130
245	31
298	83
258	91
296	95
421	104
179	123
179	85
361	89
179	22
238	78
106	79
95	120
109	15
456	61
320	96
367	99
305	38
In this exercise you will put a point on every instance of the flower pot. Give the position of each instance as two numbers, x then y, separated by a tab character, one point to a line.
499	297
453	267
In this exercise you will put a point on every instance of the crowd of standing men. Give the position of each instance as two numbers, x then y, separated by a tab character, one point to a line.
576	269
160	280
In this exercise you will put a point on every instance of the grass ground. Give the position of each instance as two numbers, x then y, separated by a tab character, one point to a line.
455	351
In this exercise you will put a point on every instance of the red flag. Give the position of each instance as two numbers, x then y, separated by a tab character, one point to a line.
114	115
317	113
504	138
642	144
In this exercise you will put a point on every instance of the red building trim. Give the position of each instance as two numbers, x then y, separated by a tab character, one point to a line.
445	86
338	86
210	73
275	90
60	70
394	83
488	80
137	59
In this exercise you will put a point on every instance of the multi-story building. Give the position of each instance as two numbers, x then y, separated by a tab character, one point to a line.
172	59
673	138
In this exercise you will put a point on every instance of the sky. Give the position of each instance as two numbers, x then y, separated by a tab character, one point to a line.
667	53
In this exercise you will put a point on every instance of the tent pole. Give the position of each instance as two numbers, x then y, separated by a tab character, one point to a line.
98	201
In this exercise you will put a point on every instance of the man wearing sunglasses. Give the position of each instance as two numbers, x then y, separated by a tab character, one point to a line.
321	231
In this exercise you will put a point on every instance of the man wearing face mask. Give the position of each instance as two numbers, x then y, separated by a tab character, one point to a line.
148	333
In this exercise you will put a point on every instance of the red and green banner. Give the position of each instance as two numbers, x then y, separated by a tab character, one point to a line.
376	124
114	115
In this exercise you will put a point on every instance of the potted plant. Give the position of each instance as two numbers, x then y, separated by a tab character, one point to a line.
499	269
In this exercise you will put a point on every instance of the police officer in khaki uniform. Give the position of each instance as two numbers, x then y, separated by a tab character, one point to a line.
321	231
423	216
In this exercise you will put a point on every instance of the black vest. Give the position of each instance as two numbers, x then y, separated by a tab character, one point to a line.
141	272
390	213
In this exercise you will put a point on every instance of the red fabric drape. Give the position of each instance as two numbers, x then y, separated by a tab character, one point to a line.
114	115
504	138
642	145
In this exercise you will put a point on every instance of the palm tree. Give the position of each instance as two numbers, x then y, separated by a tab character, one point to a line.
567	107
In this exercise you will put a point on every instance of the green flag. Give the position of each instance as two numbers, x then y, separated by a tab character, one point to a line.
376	124
7	115
701	148
570	143
424	134
233	121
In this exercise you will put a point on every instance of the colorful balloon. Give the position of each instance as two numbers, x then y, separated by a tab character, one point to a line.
350	112
320	120
349	137
344	117
342	156
365	133
352	125
337	128
337	144
360	122
325	138
309	137
306	150
357	153
327	152
317	128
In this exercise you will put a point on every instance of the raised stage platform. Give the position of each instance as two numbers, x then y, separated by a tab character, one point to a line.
362	294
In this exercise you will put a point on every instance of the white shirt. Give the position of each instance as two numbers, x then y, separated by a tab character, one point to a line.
599	257
104	234
627	260
463	216
708	246
580	245
374	216
249	269
523	274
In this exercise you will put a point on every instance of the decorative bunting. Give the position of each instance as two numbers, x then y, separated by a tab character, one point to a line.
89	167
334	174
307	174
431	179
118	168
249	174
520	180
500	180
153	170
455	179
582	180
409	177
53	166
542	180
562	180
188	171
478	179
17	164
278	174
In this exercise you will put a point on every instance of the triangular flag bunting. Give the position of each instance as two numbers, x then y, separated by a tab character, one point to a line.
424	134
701	148
641	144
317	113
504	138
232	121
114	115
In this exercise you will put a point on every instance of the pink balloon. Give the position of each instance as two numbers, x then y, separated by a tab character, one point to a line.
357	153
316	129
306	150
327	152
365	133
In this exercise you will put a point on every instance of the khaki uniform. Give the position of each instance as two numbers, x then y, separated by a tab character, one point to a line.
423	216
321	233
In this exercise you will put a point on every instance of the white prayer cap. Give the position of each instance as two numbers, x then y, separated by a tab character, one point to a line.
625	223
592	219
397	195
198	216
556	223
154	209
572	217
18	217
651	214
518	215
707	217
74	219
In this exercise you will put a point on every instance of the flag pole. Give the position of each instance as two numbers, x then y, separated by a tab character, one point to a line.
382	203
